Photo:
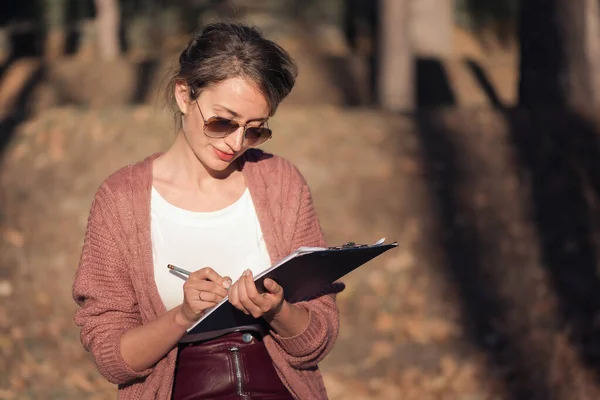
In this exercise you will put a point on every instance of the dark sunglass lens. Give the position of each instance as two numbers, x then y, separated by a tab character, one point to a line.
257	136
221	126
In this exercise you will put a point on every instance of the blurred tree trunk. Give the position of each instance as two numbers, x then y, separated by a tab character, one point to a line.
56	28
107	22
395	83
360	29
432	27
5	45
560	54
140	40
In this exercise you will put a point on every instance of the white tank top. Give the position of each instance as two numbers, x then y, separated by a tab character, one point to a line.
228	240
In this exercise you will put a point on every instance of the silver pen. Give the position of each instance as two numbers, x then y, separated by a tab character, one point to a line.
180	270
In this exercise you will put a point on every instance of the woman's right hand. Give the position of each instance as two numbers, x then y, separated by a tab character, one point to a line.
202	290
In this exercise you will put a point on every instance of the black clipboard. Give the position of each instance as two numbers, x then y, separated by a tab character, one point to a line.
304	274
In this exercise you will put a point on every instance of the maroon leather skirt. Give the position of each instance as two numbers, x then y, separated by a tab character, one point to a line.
233	366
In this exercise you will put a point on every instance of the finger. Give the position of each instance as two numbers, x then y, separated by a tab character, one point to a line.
212	287
273	287
227	282
253	308
209	296
234	298
192	295
195	304
210	274
213	276
206	286
259	300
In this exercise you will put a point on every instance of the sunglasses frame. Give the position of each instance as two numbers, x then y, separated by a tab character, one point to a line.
245	126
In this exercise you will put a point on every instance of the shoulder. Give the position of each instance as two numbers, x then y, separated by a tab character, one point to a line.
124	183
272	168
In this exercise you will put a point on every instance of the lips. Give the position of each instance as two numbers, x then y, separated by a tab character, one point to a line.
223	156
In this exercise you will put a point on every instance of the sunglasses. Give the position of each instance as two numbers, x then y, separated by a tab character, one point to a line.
218	127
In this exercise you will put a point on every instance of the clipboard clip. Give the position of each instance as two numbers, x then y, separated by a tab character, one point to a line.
348	245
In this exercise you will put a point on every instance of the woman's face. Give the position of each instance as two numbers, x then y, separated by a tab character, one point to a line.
234	99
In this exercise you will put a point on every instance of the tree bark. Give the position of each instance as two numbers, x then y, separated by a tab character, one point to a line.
56	28
431	27
360	29
5	45
107	22
395	87
560	54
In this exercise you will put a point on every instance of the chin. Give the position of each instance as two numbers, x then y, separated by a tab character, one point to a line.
219	166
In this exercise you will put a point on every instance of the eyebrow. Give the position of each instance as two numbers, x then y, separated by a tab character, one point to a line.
236	115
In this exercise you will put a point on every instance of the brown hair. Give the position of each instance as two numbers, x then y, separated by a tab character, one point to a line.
228	50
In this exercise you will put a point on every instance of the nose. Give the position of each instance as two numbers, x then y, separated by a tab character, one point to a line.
235	140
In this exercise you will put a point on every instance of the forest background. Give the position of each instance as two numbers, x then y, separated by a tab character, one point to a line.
466	130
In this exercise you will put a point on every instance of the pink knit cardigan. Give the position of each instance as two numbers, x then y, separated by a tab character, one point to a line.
115	288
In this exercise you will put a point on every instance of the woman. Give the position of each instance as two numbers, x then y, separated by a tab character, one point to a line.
213	205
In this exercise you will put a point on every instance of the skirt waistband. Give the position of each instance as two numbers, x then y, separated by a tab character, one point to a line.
260	329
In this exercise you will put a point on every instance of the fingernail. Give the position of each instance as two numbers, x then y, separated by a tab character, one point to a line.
247	272
226	283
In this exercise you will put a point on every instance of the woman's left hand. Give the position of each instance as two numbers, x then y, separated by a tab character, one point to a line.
244	296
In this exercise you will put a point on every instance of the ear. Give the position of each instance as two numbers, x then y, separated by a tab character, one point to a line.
182	96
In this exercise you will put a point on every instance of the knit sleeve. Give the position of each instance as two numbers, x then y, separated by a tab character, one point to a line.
308	348
105	295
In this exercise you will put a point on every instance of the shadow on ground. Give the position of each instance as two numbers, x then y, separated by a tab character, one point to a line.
477	242
518	295
559	152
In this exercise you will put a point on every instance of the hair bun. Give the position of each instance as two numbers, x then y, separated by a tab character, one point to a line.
221	51
186	55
